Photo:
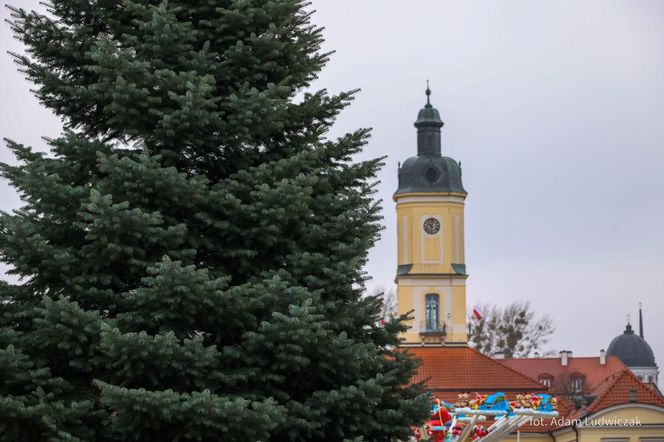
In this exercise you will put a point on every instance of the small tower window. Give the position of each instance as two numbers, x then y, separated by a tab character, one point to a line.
432	302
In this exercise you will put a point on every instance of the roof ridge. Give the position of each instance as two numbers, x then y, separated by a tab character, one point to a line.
508	367
612	378
611	383
538	358
645	387
595	405
550	358
465	369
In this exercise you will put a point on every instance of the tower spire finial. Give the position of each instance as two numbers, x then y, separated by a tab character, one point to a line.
428	126
640	321
628	327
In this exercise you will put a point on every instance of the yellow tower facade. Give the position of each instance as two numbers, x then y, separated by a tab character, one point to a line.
431	271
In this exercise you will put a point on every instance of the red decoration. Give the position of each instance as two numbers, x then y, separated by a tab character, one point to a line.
479	431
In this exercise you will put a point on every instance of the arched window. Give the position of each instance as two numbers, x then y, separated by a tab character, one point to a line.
432	302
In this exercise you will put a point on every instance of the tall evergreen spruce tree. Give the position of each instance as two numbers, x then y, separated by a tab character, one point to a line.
190	250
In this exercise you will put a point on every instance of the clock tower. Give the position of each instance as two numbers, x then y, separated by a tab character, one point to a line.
431	271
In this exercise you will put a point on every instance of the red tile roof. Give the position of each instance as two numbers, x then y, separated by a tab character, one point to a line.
594	372
614	390
448	371
623	388
454	370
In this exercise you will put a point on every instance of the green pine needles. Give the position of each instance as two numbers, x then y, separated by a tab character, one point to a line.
190	250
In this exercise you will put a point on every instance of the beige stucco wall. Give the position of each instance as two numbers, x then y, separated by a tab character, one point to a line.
431	257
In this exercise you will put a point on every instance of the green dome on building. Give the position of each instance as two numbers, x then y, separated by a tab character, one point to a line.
428	115
632	349
429	171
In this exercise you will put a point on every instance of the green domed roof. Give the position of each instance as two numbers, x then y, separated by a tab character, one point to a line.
429	116
430	173
632	349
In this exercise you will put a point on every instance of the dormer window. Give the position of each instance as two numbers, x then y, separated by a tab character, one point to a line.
577	384
545	379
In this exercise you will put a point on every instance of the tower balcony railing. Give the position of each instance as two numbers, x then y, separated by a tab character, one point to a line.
432	328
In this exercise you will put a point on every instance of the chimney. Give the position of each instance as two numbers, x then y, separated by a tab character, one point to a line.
602	357
499	355
564	357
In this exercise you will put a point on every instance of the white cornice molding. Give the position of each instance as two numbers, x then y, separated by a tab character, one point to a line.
452	281
622	407
429	198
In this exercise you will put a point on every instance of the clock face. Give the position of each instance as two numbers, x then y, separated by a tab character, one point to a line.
431	226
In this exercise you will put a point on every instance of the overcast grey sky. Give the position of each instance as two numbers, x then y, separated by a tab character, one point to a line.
555	110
